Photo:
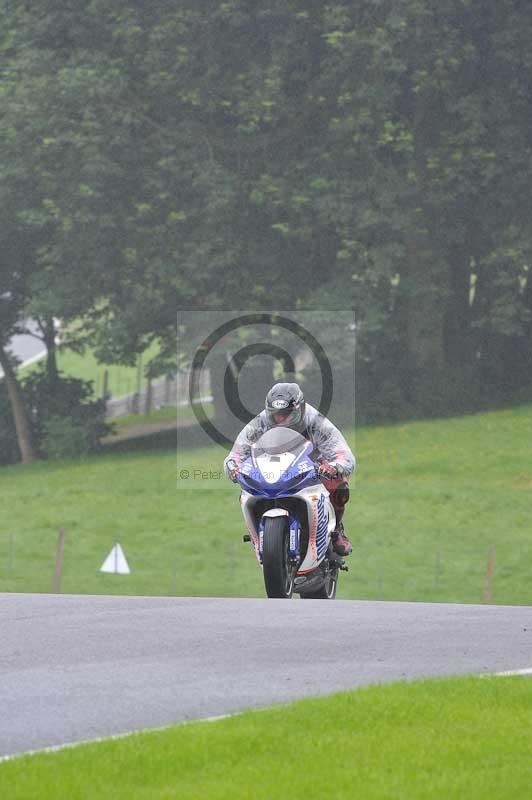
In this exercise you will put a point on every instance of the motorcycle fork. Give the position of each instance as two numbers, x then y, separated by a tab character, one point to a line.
293	546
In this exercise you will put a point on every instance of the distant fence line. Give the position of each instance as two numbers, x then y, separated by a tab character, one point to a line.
169	392
33	562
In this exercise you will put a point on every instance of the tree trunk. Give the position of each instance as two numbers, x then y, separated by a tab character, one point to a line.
527	299
218	365
458	343
424	284
421	307
22	423
48	331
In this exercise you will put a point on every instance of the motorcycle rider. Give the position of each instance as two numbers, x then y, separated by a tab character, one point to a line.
286	406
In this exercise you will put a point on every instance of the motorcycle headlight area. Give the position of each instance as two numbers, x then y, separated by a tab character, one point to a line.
291	480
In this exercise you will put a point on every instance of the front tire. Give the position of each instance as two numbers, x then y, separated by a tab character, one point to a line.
278	572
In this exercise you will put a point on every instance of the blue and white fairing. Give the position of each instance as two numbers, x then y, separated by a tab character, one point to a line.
280	466
273	475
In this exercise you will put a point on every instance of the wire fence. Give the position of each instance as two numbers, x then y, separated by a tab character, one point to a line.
56	561
169	392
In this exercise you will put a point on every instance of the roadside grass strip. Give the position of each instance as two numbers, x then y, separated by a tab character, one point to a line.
453	738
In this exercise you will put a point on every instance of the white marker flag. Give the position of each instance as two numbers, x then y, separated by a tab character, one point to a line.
116	562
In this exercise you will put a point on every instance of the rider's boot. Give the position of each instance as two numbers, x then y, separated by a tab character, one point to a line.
341	544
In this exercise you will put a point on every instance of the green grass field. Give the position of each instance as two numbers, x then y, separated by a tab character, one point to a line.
428	501
121	380
456	738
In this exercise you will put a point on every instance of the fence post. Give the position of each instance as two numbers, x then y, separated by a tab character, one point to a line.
139	374
148	398
490	572
10	552
105	384
56	585
437	571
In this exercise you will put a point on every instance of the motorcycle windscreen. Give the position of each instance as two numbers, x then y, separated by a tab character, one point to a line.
279	440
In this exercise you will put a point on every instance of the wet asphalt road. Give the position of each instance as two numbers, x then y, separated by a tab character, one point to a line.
74	668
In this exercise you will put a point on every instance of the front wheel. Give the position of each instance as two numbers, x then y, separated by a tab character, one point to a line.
278	571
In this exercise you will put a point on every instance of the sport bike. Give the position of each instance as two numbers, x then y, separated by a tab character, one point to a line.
289	517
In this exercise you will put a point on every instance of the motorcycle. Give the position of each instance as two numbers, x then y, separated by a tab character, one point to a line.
289	517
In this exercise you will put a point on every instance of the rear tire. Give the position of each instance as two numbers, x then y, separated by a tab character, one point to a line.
327	591
278	572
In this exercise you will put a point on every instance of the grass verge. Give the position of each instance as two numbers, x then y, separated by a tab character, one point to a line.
428	501
455	738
